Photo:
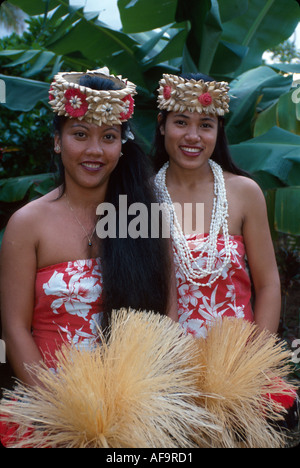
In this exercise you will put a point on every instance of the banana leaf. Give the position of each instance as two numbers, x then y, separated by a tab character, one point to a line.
145	15
287	210
15	189
23	94
264	25
275	153
282	114
40	7
254	90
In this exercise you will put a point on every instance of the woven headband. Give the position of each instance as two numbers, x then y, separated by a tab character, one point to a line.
68	98
178	94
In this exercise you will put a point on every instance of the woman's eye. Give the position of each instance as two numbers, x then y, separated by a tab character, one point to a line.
180	122
110	137
80	134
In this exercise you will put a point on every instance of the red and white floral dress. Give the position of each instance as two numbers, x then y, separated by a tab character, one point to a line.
229	295
67	306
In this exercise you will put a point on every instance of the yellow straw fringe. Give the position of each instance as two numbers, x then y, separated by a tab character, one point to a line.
136	390
150	386
240	368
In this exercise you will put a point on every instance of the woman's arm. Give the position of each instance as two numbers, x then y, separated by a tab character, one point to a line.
17	284
262	261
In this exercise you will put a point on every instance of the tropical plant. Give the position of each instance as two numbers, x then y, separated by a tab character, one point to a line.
223	39
19	51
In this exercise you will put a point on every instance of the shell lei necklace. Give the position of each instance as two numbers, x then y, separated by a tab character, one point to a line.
89	237
192	270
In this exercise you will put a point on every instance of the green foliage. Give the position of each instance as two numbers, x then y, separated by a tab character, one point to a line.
27	54
26	143
26	167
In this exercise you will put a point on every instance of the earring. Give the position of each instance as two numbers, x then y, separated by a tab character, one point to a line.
121	154
57	149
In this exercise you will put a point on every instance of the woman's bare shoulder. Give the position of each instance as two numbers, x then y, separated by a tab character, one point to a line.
28	217
242	186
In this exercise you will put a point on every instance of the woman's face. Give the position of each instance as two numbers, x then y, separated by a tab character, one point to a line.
89	152
190	138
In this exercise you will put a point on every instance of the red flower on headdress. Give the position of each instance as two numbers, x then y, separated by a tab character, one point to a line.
205	99
129	107
50	94
167	92
76	104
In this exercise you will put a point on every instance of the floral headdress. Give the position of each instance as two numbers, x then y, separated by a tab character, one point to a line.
67	97
178	94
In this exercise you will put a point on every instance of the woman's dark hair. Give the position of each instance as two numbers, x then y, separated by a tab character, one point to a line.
221	154
135	271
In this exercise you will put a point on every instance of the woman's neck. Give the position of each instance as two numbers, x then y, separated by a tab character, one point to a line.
84	198
185	177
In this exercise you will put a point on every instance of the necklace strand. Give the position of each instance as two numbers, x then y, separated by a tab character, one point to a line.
191	268
89	237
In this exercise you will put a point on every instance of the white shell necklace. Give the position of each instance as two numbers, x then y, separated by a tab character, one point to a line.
194	271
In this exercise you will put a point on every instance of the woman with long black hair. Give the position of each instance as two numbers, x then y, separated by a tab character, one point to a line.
59	280
194	166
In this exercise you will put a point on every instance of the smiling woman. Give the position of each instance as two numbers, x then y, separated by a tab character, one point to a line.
194	166
212	266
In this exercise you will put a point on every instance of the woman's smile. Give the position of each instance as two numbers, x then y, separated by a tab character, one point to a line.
92	166
191	151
